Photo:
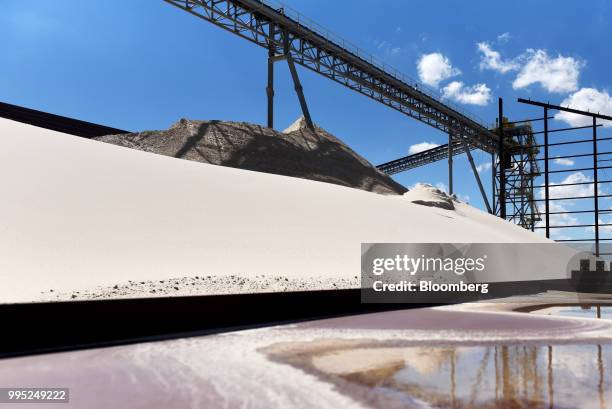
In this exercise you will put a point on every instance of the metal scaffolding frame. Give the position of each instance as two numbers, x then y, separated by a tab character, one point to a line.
595	182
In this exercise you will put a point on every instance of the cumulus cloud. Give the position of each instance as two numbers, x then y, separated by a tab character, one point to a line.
483	167
564	162
558	192
492	60
434	68
555	191
586	99
562	219
478	94
420	147
554	74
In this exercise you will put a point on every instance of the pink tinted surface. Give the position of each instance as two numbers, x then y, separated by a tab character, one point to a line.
229	370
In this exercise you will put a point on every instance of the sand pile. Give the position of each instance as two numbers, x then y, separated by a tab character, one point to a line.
84	217
297	151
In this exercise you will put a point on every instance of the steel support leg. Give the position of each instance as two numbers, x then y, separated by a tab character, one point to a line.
450	163
502	162
270	88
493	176
300	92
546	184
595	187
473	165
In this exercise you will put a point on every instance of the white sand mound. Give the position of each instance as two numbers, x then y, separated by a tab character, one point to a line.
427	195
77	214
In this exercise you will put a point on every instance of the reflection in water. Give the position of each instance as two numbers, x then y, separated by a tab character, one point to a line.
502	376
582	311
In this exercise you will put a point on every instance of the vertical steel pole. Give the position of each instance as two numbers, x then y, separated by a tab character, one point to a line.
450	163
546	192
501	159
493	176
595	187
270	87
532	203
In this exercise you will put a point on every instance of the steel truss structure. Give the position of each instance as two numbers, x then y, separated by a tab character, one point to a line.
295	37
422	158
516	170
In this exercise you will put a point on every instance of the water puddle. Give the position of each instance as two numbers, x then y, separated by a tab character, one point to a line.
581	311
495	376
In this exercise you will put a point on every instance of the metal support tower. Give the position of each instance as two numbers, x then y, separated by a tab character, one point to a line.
272	58
516	173
299	90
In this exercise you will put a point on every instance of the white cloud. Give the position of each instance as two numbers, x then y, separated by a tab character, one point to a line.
434	68
586	99
562	219
420	147
504	38
483	167
478	94
492	60
559	74
564	162
557	192
398	29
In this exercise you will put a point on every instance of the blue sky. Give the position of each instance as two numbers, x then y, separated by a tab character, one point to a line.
143	64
